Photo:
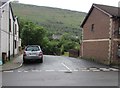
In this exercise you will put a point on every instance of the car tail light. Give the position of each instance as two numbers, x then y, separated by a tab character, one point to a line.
40	54
24	54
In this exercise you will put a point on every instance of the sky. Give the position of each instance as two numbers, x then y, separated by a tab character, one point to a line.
76	5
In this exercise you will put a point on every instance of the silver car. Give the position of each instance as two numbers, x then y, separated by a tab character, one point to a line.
33	52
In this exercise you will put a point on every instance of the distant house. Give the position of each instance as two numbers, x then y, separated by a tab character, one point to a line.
9	30
55	36
101	34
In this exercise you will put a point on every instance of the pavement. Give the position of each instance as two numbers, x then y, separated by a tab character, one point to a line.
14	63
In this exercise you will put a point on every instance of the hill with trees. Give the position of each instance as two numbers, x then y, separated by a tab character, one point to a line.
56	21
60	27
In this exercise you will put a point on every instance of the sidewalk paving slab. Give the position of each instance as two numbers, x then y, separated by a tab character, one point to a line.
14	63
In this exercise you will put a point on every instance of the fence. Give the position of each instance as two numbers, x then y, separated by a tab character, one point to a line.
73	53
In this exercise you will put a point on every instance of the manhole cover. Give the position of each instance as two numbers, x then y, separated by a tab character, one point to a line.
68	72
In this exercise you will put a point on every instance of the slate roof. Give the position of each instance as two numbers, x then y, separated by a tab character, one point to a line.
109	10
1	3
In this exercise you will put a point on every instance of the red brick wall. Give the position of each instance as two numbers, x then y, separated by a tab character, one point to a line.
115	42
99	50
115	29
96	50
101	25
115	49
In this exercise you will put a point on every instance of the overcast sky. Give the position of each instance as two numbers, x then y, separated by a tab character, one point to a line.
77	5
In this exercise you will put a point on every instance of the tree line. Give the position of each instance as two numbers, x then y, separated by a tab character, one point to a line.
33	34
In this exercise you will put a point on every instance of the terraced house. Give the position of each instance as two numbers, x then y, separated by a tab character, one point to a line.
101	34
9	30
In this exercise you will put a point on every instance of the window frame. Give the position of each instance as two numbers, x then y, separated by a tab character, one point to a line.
10	25
92	27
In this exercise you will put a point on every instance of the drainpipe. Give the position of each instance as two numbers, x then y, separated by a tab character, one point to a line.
0	35
9	36
13	40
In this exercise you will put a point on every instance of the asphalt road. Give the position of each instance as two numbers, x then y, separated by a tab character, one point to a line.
61	71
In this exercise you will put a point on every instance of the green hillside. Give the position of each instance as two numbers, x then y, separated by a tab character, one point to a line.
55	20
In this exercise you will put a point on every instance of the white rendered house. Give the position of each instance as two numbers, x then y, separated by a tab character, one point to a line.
9	30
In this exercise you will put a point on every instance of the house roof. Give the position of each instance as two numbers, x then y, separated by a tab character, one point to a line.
12	11
108	10
0	3
3	2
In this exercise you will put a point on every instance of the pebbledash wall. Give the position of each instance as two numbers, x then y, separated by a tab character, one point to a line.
4	9
9	31
100	39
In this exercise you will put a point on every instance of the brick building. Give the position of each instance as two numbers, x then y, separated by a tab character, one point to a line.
101	34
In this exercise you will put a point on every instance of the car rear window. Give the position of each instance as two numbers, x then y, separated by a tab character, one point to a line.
32	48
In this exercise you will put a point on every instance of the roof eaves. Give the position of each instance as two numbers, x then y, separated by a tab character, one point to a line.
94	6
4	5
85	19
17	20
12	11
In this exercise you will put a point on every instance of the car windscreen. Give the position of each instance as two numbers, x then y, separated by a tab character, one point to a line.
32	48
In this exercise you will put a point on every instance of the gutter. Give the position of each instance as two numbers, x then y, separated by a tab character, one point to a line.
0	36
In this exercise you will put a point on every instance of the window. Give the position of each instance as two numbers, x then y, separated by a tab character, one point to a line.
32	48
9	25
92	27
15	29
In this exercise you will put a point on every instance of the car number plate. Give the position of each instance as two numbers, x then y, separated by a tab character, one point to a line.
33	54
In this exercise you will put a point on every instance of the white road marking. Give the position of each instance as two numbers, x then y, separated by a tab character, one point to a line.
49	70
7	71
76	70
85	70
62	70
19	71
96	70
105	69
113	69
66	66
102	68
93	68
25	71
36	70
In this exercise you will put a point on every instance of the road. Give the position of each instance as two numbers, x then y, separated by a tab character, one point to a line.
61	71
